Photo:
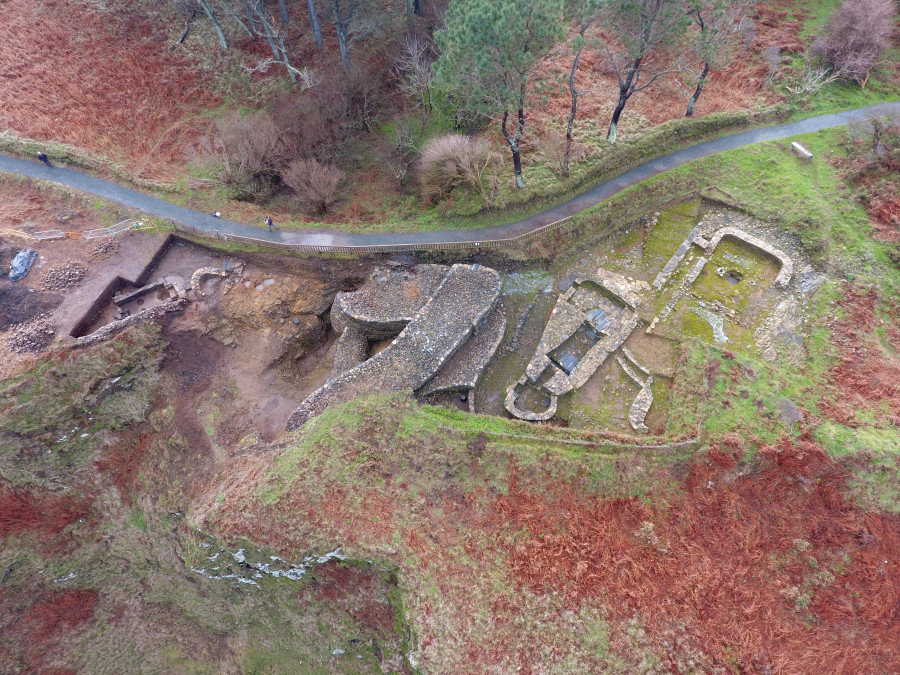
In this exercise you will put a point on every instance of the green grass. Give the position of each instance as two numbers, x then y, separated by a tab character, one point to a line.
806	198
747	390
55	414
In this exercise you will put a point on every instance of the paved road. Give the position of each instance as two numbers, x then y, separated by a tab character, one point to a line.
159	207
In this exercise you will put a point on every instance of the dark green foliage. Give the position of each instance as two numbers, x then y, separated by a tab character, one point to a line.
490	53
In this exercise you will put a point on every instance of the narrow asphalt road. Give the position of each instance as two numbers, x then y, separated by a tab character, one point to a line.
323	238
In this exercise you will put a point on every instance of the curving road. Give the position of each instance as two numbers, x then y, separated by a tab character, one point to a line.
323	238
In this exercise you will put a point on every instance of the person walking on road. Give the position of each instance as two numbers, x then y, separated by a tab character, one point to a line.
271	225
42	157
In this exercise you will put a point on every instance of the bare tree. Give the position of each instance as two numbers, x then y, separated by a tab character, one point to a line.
261	23
313	182
402	147
789	412
188	9
772	56
353	19
413	70
642	30
208	9
813	77
282	7
246	154
716	23
583	14
452	160
314	22
855	37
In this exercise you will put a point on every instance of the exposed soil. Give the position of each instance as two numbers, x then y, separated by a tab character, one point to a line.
195	362
19	304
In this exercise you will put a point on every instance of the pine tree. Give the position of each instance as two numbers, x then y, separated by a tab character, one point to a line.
642	29
490	52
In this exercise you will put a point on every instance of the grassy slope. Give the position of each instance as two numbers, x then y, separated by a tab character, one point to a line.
91	500
381	471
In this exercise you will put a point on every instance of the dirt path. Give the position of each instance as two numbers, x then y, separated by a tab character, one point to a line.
325	241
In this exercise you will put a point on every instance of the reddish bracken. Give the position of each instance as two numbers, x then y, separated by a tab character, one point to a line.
92	88
123	462
867	375
26	510
357	591
772	564
48	620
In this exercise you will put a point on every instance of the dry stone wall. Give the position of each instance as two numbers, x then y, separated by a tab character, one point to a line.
460	305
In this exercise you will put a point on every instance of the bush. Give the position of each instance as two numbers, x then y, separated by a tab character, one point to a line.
247	154
314	183
856	35
874	145
559	153
453	160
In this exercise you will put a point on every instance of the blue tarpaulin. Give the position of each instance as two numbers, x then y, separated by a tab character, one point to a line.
21	264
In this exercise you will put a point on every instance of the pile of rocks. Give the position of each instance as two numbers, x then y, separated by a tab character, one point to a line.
32	337
105	249
64	276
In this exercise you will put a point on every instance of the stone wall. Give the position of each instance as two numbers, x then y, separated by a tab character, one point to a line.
464	369
787	265
115	327
460	305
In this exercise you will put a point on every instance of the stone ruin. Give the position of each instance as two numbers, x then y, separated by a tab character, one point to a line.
444	328
158	298
594	317
590	322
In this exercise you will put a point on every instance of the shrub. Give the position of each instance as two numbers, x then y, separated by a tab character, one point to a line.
314	183
452	160
559	153
855	37
874	145
247	154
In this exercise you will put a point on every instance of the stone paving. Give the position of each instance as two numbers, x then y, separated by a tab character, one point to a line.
388	300
459	307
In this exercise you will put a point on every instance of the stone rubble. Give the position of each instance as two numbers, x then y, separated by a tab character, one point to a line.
105	248
64	276
32	337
